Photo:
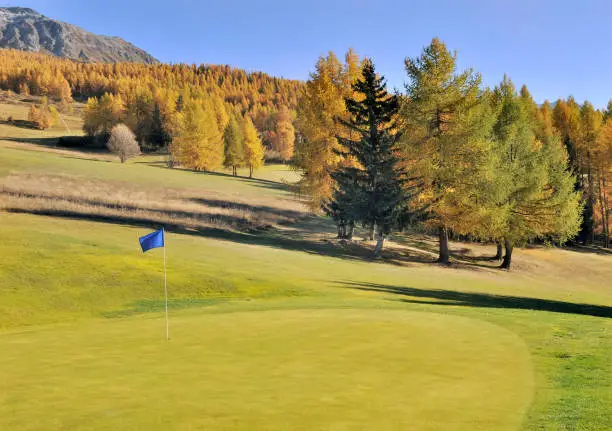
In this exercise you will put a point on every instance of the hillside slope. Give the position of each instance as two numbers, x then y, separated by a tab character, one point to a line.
27	30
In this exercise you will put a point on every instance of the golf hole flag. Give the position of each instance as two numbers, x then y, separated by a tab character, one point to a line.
156	240
152	240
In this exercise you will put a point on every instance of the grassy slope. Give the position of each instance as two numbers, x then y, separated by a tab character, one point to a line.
59	270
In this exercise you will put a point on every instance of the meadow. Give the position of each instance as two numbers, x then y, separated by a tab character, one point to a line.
273	323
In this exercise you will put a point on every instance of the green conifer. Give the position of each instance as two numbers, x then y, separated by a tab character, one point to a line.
369	185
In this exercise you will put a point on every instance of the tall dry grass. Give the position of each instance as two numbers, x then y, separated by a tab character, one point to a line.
125	202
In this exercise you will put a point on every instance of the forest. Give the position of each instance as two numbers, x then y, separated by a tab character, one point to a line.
448	155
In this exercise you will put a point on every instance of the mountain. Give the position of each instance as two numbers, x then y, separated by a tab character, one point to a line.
27	30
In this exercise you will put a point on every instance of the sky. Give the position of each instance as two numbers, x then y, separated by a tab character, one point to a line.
557	48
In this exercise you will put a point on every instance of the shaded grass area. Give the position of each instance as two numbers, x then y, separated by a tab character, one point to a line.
471	299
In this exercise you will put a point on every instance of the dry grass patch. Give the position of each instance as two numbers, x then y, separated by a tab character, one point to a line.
64	195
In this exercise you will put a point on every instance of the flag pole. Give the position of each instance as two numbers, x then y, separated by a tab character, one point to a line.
166	289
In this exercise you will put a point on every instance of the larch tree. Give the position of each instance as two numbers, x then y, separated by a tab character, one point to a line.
285	134
370	190
233	146
101	115
40	116
534	190
544	122
603	173
252	145
139	115
199	145
590	124
447	123
319	107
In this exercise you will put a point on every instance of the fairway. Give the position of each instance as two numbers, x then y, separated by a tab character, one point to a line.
300	369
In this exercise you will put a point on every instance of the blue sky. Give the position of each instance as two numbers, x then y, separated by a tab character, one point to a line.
557	48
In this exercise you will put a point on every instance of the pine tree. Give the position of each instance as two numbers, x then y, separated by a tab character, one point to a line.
369	191
447	125
253	148
234	152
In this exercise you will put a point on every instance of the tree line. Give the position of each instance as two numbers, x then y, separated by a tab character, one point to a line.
450	155
152	99
486	163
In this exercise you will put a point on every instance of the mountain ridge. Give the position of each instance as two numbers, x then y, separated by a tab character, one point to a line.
28	30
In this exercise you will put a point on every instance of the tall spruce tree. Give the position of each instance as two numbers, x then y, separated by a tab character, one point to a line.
368	190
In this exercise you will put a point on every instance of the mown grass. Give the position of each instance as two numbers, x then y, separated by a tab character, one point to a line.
279	329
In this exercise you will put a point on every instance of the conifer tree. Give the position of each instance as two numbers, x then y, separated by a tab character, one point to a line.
544	122
253	148
200	144
369	191
590	124
532	188
234	152
604	177
285	134
100	115
447	124
320	105
159	135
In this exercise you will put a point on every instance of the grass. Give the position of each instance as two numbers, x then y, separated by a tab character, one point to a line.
282	328
289	369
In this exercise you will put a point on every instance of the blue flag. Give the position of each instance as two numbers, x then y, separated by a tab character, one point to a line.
152	240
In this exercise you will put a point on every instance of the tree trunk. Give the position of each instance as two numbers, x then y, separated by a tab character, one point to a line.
341	229
603	199
351	230
444	252
371	232
591	198
500	252
508	257
379	244
250	171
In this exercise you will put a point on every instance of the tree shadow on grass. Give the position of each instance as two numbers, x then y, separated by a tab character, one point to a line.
483	300
262	237
43	142
53	143
225	204
591	249
22	124
257	182
233	228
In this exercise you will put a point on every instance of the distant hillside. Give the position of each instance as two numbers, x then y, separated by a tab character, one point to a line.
27	30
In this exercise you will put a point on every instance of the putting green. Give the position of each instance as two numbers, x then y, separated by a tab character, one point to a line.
296	369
